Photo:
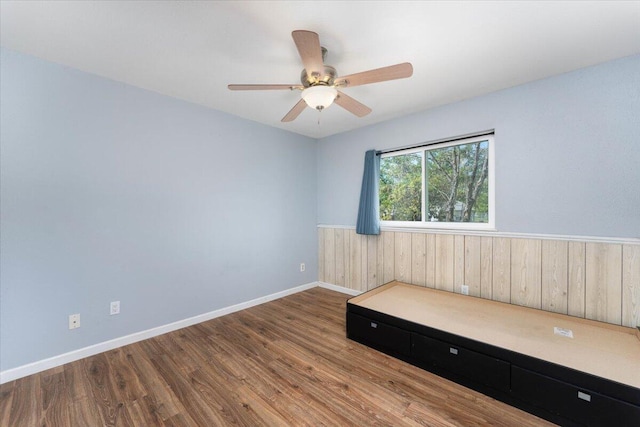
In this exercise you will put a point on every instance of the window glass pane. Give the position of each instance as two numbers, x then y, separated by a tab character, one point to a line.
458	189
401	188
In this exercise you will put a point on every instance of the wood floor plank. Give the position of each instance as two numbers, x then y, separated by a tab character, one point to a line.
6	399
24	406
110	408
160	403
317	410
343	385
263	411
82	410
170	346
226	402
180	385
54	413
424	416
285	362
130	388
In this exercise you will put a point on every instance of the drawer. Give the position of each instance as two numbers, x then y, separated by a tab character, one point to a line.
475	366
571	402
378	334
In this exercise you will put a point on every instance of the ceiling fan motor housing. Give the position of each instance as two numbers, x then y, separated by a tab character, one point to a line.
325	78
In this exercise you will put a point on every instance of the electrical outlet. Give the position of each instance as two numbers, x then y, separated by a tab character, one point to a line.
74	321
464	289
302	266
114	308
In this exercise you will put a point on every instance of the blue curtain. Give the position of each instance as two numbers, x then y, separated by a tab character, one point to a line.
369	210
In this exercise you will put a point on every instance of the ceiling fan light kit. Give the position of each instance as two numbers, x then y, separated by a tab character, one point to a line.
319	97
320	81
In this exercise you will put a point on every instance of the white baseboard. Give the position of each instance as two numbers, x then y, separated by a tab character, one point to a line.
52	362
339	288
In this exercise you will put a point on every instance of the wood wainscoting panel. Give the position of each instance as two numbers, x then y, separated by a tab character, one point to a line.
346	244
473	264
388	260
591	279
321	251
374	262
526	270
486	267
430	267
603	282
445	262
329	255
357	272
631	285
402	254
501	285
555	275
418	259
341	258
577	279
458	262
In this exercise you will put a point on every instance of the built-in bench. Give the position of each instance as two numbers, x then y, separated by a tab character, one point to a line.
565	369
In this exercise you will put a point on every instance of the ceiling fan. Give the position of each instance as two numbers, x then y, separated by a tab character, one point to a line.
320	82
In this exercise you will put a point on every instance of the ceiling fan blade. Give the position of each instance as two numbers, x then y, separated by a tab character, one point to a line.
265	87
392	72
295	111
351	105
308	44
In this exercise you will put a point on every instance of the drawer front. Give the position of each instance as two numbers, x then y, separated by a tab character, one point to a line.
461	361
571	402
378	333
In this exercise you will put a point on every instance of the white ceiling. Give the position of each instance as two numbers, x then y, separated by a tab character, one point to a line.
192	50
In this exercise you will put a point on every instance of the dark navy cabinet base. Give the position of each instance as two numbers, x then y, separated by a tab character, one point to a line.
379	334
556	393
461	361
566	400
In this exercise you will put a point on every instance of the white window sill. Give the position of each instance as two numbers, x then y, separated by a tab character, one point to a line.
435	226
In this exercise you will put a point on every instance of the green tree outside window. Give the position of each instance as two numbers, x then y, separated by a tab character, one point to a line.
456	190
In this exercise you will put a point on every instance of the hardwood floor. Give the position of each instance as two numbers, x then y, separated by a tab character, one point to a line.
286	362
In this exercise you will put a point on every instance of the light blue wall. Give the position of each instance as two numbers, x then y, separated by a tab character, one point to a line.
567	152
109	192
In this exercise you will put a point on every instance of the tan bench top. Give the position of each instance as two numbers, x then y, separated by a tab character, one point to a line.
601	349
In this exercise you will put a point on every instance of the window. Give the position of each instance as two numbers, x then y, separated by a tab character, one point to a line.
445	185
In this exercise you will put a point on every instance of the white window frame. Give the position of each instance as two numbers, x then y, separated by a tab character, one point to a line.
425	223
